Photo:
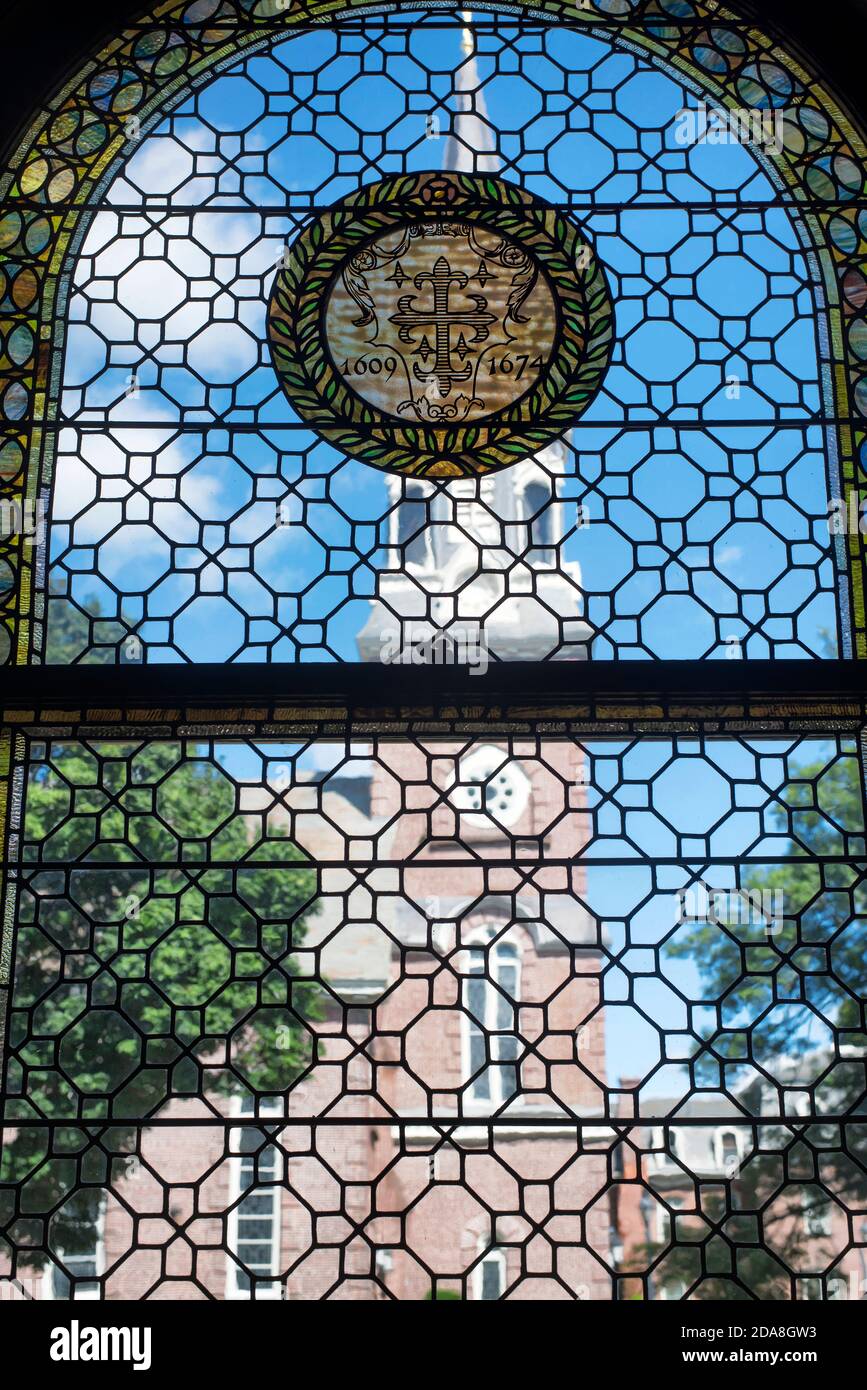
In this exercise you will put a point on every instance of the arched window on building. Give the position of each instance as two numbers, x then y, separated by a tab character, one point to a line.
489	1276
79	1250
539	515
254	1217
728	1151
491	1047
411	535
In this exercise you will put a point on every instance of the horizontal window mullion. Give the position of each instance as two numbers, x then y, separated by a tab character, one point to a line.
108	695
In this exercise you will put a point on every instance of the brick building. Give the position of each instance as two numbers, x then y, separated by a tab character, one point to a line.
759	1186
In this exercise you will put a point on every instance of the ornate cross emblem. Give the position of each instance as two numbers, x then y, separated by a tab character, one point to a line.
441	324
444	353
442	318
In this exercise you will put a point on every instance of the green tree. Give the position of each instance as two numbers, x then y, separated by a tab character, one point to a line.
154	960
817	958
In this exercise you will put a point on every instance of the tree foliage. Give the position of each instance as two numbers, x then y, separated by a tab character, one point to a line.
154	962
815	959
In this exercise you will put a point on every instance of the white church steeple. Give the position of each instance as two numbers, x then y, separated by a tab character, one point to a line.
470	143
480	554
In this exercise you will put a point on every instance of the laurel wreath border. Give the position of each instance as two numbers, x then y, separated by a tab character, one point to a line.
564	389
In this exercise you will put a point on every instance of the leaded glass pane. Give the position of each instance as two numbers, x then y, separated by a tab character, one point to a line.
194	518
493	340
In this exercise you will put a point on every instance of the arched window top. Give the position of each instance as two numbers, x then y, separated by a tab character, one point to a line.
178	177
490	936
491	993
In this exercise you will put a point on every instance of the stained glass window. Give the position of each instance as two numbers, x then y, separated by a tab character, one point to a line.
433	608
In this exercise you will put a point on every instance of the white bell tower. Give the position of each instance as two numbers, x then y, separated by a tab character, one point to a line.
481	556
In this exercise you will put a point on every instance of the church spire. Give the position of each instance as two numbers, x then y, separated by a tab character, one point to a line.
470	146
480	557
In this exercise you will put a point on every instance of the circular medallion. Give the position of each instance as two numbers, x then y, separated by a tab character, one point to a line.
441	324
